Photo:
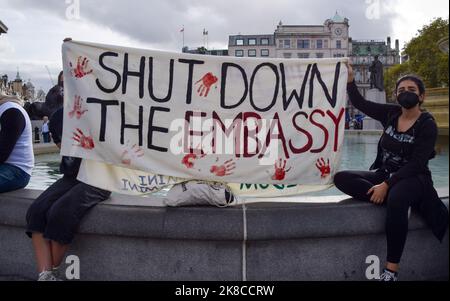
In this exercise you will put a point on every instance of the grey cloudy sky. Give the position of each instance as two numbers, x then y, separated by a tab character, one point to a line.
37	28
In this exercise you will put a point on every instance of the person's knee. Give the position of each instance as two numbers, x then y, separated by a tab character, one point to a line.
400	197
59	217
340	178
397	203
36	212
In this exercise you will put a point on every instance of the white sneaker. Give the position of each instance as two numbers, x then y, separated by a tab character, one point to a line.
48	276
388	276
56	273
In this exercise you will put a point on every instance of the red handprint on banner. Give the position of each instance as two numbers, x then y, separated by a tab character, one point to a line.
131	153
325	169
224	169
189	159
81	69
84	141
206	82
280	170
77	110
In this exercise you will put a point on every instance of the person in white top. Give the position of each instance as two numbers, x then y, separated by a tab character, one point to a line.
16	148
45	130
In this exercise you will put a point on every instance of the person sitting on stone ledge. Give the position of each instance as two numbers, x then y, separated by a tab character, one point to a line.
400	175
53	218
16	145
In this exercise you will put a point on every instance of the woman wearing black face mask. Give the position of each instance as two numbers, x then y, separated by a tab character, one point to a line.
400	176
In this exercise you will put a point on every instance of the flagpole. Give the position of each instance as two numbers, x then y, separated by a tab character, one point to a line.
205	38
204	43
183	36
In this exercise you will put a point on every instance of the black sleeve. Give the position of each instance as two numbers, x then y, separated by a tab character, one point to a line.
56	126
12	125
377	111
423	149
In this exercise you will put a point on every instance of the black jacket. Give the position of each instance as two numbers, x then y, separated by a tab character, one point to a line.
431	207
69	166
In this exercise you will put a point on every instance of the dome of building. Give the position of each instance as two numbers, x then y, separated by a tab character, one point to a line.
337	18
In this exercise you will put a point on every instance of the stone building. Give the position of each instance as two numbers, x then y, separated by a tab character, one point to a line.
331	39
258	45
328	40
28	91
362	53
17	85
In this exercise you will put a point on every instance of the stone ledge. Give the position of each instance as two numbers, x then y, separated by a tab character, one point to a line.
265	221
45	148
284	241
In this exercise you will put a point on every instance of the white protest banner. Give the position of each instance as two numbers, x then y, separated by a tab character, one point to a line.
226	119
135	182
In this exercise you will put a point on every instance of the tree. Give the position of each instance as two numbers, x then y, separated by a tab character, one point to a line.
392	75
425	57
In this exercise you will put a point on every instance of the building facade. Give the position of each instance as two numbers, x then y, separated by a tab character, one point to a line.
362	54
261	45
28	91
313	41
17	85
330	39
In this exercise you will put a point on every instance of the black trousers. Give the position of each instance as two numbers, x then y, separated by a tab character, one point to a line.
58	211
403	195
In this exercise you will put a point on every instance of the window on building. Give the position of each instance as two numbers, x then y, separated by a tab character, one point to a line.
303	44
264	41
264	52
252	42
319	44
338	55
287	55
287	43
252	52
319	55
240	42
325	44
239	52
338	44
303	55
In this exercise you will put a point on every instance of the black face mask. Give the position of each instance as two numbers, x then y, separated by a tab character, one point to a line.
408	99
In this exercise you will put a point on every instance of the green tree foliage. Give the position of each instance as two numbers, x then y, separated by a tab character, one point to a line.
425	58
392	75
